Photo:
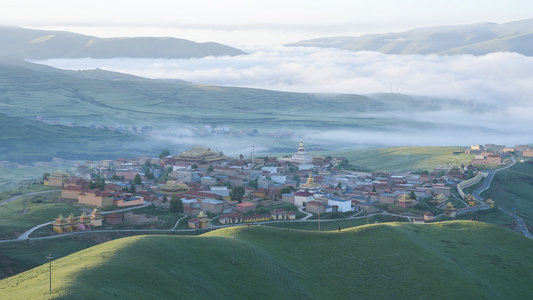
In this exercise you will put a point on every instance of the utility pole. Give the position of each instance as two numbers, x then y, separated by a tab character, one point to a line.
233	256
318	221
50	268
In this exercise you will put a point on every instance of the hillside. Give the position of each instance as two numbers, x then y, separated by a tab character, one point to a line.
405	158
461	259
475	39
512	189
25	141
40	44
98	97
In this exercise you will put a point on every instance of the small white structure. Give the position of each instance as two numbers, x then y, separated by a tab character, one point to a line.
279	178
343	205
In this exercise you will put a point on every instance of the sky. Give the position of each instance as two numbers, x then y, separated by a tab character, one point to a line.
248	24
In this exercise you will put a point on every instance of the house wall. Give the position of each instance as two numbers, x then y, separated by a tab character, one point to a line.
315	209
122	203
344	206
70	194
93	200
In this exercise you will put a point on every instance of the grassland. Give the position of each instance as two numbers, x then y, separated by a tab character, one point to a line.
460	259
176	110
404	158
23	213
512	188
26	141
334	225
16	179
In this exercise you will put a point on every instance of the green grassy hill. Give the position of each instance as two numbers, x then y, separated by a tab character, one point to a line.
512	188
476	39
44	44
405	158
460	259
23	141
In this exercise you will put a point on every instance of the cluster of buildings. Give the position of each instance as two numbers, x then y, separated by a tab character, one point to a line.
80	223
492	154
203	180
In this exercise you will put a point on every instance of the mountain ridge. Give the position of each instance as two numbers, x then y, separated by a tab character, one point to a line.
45	44
475	39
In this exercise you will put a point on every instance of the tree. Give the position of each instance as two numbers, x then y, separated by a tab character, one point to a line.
176	205
133	190
46	175
285	190
137	180
339	185
165	199
412	195
149	175
241	156
210	169
237	193
148	164
164	153
194	166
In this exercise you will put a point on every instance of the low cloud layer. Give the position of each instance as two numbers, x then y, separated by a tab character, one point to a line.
498	84
494	78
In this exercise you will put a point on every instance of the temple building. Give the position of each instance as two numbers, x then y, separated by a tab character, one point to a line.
490	202
470	200
439	200
301	157
310	185
174	188
58	178
405	201
450	211
201	221
72	223
200	155
96	218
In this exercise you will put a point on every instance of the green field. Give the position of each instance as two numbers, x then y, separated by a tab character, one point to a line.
453	260
23	213
404	158
334	225
17	179
178	113
513	188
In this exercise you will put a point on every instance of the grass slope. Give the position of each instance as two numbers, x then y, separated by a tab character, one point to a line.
23	140
458	259
512	188
405	158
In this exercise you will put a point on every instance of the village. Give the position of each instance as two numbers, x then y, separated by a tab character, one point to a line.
216	190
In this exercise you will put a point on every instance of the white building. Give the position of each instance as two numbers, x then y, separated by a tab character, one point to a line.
343	205
301	198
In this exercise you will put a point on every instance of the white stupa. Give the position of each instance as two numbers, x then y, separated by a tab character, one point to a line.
301	157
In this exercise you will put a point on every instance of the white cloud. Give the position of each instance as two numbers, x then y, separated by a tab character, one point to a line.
496	78
492	92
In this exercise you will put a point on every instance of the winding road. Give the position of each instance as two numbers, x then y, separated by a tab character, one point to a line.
486	185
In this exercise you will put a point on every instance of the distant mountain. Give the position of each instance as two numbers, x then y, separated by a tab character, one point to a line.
39	44
476	39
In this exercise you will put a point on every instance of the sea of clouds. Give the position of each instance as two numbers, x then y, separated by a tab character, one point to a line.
500	84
